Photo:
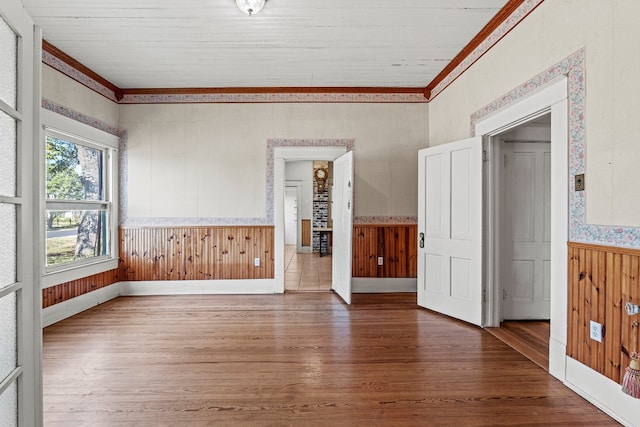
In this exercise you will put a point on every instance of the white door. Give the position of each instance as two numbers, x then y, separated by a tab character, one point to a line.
526	230
20	325
450	229
342	212
291	215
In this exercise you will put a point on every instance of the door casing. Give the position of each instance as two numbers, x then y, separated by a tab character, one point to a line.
552	98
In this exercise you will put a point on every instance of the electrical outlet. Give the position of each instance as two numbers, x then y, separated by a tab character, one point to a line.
256	262
380	260
595	329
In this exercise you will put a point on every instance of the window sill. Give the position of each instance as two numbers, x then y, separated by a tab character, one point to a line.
77	272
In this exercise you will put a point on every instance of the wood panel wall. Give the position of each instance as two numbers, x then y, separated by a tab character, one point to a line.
397	244
66	291
601	280
196	253
305	238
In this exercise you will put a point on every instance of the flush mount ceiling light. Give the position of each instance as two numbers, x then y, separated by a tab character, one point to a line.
250	7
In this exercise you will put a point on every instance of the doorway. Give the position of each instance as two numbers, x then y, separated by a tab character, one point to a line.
459	229
336	151
524	220
523	236
307	204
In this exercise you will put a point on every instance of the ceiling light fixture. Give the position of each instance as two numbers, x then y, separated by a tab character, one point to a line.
250	7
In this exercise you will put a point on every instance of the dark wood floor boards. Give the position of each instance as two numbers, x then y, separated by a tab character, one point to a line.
293	359
529	337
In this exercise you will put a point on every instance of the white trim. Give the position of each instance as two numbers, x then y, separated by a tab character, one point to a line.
75	272
552	96
364	285
85	134
524	110
198	287
602	392
82	134
65	309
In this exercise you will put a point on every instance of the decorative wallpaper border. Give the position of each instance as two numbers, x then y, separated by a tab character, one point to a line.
81	117
385	220
514	19
271	146
253	98
79	76
574	68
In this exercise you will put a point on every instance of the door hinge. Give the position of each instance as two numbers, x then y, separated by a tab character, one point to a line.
505	294
506	160
485	156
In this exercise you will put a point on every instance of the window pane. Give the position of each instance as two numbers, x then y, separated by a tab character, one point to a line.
7	244
9	406
8	65
8	156
74	171
76	235
8	328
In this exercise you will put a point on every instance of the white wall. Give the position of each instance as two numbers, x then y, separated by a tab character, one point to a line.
302	171
609	31
209	160
65	91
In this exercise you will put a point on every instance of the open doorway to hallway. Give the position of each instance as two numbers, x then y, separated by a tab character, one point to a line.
308	226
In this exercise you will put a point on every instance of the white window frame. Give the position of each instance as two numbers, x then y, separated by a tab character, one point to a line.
80	133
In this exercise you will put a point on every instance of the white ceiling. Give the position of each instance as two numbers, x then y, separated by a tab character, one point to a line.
308	43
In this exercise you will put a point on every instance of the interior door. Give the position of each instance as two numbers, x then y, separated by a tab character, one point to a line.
342	211
20	326
450	229
526	230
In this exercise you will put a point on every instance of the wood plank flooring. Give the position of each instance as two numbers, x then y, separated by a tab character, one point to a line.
296	359
529	337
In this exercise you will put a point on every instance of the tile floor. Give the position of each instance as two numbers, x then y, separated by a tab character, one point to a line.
306	272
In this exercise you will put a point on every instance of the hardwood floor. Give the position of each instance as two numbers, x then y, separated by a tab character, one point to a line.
529	337
299	359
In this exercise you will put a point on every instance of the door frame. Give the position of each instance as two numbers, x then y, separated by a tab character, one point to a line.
551	98
280	156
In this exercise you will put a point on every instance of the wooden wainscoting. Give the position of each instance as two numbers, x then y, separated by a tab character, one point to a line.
196	253
397	244
305	238
601	280
66	291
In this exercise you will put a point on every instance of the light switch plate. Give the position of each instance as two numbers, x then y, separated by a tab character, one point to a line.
579	182
595	329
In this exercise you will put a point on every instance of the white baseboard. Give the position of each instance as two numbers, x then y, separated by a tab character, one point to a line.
61	311
557	359
365	285
602	392
195	287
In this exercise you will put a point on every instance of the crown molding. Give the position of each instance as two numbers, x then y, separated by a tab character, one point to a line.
500	25
514	12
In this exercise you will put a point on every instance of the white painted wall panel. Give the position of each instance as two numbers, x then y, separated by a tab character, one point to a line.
65	91
211	158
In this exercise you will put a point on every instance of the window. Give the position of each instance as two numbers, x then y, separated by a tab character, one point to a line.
80	201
